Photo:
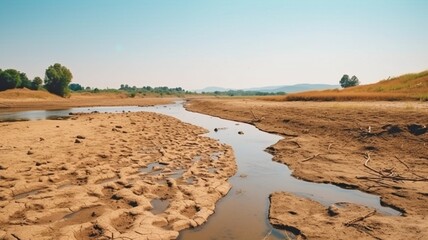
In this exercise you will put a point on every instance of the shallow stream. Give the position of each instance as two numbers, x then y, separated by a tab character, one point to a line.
243	212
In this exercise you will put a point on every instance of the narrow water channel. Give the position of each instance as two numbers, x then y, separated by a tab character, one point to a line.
242	213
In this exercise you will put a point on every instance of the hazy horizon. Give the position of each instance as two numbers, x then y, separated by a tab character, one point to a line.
230	44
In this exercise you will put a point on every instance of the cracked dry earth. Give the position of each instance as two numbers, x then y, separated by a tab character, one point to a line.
109	176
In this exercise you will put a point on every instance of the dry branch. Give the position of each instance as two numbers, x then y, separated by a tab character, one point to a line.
408	168
289	134
309	158
267	235
295	142
17	238
349	223
390	175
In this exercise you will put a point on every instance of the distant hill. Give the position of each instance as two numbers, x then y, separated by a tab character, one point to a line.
274	89
213	89
412	86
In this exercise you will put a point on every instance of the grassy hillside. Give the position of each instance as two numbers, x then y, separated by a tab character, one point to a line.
406	87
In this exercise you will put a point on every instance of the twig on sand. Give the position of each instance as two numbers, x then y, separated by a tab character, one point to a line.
295	142
256	119
17	238
286	235
408	168
390	174
267	235
126	238
289	134
350	223
309	158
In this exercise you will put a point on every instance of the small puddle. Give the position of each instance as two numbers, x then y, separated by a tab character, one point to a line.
190	180
215	156
153	168
177	174
106	180
29	193
159	206
83	215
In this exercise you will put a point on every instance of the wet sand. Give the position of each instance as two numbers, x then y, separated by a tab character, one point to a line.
376	147
104	176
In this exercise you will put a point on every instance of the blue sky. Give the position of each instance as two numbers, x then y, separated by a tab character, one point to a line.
229	43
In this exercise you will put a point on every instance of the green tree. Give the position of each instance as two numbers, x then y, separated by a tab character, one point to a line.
36	83
25	82
57	79
75	87
9	79
345	81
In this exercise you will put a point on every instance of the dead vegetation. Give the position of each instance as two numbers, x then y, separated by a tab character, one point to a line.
409	87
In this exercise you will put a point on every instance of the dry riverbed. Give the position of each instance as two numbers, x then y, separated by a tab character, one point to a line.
377	147
108	176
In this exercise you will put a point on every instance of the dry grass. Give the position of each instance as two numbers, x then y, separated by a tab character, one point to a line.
26	94
406	87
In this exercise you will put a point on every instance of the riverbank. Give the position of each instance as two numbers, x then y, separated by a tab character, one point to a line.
377	147
24	99
102	176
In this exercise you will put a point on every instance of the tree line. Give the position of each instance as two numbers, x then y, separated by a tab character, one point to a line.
57	80
178	91
242	93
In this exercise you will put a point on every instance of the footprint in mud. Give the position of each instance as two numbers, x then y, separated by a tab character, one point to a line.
18	218
159	205
124	222
164	192
115	201
190	211
93	232
83	215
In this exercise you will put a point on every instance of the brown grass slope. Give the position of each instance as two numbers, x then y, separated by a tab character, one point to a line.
26	95
406	87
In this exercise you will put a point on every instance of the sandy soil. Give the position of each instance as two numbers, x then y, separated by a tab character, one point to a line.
108	176
22	99
377	147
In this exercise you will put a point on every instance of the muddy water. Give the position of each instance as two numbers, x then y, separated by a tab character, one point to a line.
242	213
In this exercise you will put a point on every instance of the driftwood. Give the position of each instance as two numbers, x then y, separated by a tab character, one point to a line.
289	134
389	173
353	221
267	235
295	142
17	238
408	168
309	158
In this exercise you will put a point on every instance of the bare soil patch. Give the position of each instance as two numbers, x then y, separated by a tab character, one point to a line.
54	187
376	147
